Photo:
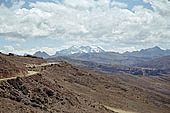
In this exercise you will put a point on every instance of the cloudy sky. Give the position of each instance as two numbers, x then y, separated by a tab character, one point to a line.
27	26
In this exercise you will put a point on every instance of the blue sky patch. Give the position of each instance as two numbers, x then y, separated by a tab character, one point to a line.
132	3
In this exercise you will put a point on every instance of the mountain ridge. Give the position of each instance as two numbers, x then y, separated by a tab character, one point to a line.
98	55
153	52
157	63
79	50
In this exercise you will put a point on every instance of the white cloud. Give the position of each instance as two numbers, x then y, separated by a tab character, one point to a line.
14	39
92	22
80	4
119	4
8	49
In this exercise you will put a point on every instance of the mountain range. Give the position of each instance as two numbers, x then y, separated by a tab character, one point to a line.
79	50
71	51
98	55
154	52
152	61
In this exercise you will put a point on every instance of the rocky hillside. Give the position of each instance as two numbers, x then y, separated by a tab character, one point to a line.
46	92
64	88
11	65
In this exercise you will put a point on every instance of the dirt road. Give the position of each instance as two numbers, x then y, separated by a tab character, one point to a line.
30	73
41	65
118	110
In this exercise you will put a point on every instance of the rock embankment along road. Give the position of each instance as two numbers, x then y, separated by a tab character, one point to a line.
30	73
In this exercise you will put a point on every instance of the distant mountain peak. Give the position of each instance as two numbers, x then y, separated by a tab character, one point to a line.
157	48
79	50
153	52
41	54
154	49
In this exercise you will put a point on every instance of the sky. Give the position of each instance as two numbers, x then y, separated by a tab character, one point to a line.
27	26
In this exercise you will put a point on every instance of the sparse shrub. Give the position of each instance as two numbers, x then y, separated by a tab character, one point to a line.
48	92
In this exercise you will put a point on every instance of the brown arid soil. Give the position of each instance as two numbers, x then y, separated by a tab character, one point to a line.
63	88
16	65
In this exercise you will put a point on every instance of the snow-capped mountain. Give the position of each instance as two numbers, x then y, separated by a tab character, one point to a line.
79	50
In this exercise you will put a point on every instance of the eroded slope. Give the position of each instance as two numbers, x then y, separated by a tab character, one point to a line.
64	88
11	66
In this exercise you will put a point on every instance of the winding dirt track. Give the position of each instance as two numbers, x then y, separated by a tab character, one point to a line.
30	73
118	110
41	65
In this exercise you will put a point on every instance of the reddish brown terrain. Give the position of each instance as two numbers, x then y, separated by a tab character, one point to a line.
63	88
11	65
